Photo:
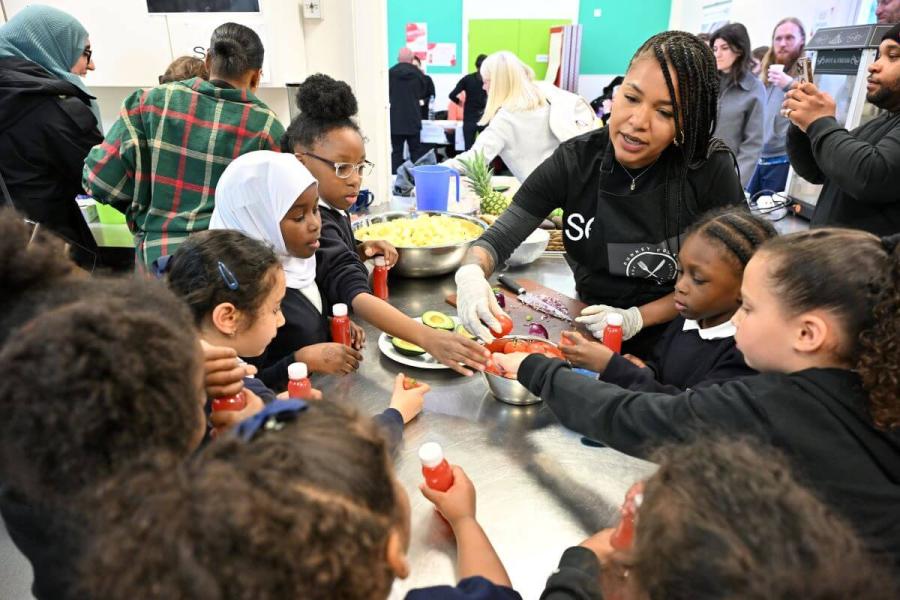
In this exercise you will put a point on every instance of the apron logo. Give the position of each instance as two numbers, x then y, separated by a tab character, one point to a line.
655	264
577	229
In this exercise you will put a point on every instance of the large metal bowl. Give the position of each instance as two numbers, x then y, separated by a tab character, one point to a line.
424	261
510	390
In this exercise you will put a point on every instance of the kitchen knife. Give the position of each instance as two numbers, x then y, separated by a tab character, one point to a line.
534	301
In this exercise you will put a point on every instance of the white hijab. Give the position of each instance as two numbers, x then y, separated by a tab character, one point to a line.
253	195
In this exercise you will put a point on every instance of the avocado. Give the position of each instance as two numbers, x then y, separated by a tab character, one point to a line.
406	348
438	320
461	330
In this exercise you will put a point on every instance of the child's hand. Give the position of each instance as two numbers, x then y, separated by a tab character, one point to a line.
452	349
223	420
457	503
374	247
408	402
509	363
584	353
635	360
357	336
599	544
223	372
329	357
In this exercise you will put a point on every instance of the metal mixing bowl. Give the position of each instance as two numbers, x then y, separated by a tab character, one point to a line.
510	390
426	261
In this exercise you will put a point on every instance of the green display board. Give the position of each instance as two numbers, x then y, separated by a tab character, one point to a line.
526	38
444	20
609	41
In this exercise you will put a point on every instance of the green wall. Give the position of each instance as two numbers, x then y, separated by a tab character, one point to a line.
608	42
444	18
526	38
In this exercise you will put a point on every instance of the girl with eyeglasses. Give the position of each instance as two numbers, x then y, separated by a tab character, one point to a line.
326	139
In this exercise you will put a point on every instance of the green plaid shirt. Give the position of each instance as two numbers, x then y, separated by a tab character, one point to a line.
161	160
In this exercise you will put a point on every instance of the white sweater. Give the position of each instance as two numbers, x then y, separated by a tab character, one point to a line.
522	139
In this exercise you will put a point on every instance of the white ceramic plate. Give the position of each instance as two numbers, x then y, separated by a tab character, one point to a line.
423	361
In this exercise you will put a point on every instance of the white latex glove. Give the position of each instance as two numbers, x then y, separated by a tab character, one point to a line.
594	318
475	302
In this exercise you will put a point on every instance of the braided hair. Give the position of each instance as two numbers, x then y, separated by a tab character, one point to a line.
694	66
735	230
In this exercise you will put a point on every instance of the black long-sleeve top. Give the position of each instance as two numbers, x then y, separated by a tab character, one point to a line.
858	168
680	360
818	417
476	98
578	577
340	273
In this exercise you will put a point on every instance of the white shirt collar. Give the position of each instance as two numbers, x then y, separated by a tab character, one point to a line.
725	330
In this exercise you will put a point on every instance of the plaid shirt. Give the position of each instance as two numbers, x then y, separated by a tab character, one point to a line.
161	160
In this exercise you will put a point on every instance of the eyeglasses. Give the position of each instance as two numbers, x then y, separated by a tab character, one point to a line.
88	53
342	169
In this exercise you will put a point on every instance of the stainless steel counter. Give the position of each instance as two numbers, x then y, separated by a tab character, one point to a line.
540	489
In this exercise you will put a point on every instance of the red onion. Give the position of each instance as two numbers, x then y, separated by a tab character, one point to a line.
501	299
538	329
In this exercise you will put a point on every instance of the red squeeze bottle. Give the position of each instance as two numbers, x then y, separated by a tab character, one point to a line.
435	468
380	278
340	324
299	386
236	402
612	334
623	537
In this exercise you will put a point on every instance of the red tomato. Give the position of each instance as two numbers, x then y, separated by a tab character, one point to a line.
410	383
496	345
553	352
506	326
494	368
515	346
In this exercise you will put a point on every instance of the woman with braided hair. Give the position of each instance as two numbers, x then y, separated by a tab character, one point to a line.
698	347
627	192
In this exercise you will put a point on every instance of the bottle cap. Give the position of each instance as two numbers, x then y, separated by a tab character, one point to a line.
614	319
379	261
431	454
297	370
339	310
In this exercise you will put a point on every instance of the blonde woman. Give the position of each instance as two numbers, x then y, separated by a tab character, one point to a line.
517	116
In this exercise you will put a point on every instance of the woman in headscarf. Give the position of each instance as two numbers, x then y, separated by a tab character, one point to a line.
48	118
272	197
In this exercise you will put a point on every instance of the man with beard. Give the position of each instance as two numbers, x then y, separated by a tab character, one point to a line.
777	70
859	168
888	11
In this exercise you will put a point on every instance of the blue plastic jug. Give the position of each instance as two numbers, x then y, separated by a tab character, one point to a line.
433	186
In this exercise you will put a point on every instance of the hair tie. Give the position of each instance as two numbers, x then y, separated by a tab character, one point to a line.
161	266
228	277
889	242
271	418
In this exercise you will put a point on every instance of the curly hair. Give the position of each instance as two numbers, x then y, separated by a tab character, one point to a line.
735	230
325	104
726	515
94	380
202	267
856	276
301	512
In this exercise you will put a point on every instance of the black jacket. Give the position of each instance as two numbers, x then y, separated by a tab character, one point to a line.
680	360
476	97
859	170
407	86
817	417
340	274
46	130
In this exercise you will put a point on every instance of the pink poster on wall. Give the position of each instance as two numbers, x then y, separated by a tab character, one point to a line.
417	39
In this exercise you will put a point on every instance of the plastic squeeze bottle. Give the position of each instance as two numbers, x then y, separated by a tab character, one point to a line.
299	386
435	467
236	402
612	333
623	536
340	324
380	278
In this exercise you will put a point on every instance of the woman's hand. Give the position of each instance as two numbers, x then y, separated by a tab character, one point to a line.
452	349
458	502
805	104
374	247
509	363
223	420
329	357
223	372
408	402
594	318
475	302
584	353
357	336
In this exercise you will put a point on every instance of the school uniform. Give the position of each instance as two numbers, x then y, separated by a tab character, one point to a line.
686	356
340	273
470	588
621	239
817	417
577	576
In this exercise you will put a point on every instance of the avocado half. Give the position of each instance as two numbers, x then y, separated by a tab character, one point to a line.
406	348
438	320
461	330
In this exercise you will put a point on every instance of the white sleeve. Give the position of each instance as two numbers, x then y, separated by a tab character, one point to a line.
491	142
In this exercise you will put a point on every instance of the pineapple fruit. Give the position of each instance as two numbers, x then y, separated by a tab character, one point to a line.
478	176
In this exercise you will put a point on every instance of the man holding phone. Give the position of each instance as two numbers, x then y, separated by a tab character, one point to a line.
858	168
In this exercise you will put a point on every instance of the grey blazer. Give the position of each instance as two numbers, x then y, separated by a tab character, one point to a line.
741	120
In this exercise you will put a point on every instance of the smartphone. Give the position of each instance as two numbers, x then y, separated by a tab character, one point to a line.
804	70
